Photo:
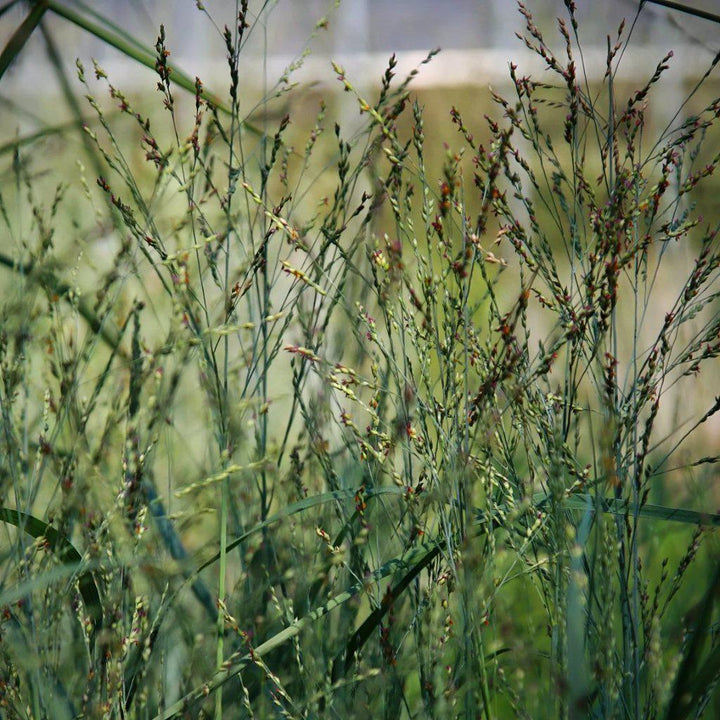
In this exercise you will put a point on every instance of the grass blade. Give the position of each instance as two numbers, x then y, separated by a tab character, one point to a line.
692	681
616	506
13	145
293	509
8	6
697	12
415	559
127	45
105	328
360	636
17	42
66	553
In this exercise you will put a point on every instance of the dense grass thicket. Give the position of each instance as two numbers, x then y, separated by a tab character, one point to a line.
291	426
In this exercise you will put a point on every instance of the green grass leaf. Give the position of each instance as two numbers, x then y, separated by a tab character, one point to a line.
114	36
616	506
412	561
66	553
693	678
16	43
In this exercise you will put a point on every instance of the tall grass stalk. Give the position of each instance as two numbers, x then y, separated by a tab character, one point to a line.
295	425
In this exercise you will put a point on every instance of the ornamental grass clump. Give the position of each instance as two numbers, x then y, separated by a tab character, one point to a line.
292	426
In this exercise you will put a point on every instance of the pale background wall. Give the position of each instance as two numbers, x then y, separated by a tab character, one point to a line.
360	26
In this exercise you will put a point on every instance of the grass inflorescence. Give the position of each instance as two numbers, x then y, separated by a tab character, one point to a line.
292	426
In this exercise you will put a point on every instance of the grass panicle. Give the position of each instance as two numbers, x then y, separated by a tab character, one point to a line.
302	422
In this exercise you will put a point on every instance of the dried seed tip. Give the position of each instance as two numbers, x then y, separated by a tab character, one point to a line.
99	72
303	352
300	275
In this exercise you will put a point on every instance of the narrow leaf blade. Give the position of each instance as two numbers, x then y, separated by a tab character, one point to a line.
17	42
